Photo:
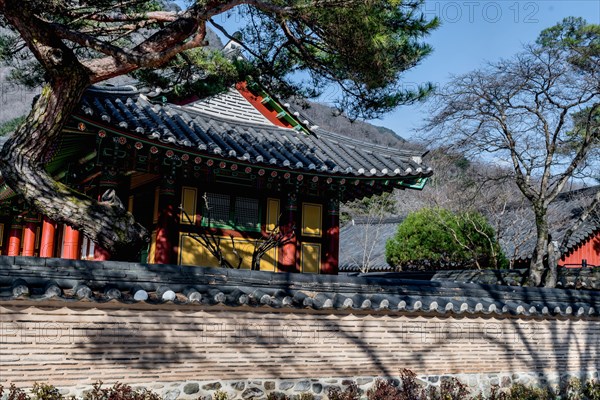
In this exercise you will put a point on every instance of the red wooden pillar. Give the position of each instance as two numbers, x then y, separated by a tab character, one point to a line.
71	249
14	239
100	253
288	251
331	264
48	237
29	236
166	229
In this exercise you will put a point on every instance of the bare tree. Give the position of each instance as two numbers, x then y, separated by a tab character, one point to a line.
274	239
536	113
205	237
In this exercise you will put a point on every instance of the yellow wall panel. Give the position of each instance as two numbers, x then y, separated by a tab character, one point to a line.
193	253
269	260
189	197
244	248
312	217
152	251
130	204
311	258
272	214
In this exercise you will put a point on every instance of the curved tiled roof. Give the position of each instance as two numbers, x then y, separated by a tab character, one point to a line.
363	241
563	212
38	279
203	128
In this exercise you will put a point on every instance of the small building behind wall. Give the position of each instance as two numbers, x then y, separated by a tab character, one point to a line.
238	164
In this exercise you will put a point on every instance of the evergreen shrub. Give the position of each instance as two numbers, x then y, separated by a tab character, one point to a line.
435	238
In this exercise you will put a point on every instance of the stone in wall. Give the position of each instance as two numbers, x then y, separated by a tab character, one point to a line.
257	389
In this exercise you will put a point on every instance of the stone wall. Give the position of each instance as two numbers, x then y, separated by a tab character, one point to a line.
244	389
180	349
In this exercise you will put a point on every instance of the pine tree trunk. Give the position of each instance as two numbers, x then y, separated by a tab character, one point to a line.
22	168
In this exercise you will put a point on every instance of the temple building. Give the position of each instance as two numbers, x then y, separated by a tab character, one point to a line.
238	169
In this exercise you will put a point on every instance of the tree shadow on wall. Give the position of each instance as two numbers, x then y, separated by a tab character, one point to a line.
225	342
129	343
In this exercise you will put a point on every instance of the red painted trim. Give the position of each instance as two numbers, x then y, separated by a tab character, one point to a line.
288	261
71	249
288	256
255	100
187	100
29	239
164	234
348	176
332	250
14	240
588	250
48	237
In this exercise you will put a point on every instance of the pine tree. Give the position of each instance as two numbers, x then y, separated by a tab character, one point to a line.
363	46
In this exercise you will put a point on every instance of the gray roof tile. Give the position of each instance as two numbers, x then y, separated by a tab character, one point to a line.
198	127
38	279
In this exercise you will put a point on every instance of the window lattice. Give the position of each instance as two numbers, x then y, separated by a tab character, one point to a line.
218	205
246	212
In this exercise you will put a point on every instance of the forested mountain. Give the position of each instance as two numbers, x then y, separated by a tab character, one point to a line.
15	100
330	119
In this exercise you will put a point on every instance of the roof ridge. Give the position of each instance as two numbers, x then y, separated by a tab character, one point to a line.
114	89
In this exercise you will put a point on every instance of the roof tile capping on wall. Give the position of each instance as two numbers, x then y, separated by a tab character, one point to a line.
75	322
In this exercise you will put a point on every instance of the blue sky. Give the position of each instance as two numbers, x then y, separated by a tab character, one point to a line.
475	31
471	33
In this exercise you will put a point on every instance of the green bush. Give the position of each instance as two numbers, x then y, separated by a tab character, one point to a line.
119	391
576	390
435	238
591	390
521	392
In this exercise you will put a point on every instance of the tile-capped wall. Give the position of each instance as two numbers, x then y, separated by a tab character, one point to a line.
78	343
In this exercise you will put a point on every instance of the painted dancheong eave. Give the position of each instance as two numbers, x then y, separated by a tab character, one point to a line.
158	157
